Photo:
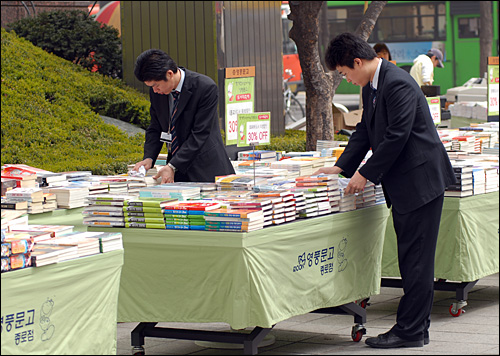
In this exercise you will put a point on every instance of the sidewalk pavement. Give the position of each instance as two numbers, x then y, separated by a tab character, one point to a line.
475	332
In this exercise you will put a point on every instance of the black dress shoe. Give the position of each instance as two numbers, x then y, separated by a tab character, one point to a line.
426	338
390	340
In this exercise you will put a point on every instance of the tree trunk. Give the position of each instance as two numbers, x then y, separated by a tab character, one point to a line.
320	85
485	35
324	33
319	89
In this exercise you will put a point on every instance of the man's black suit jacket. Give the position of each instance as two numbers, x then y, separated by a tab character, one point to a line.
408	158
201	155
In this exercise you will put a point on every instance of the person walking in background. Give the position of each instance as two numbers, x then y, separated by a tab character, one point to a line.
410	162
184	116
382	51
423	66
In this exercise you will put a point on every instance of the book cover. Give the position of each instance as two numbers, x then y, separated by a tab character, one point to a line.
235	213
143	209
177	227
14	204
143	214
18	173
145	225
145	220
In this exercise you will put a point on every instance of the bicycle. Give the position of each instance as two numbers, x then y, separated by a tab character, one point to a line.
292	108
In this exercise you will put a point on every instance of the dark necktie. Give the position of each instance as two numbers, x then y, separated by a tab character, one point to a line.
374	96
175	144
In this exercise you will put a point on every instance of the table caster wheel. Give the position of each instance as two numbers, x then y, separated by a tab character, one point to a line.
357	332
456	309
138	350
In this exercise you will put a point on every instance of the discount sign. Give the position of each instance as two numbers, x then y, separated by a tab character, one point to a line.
435	109
239	99
254	129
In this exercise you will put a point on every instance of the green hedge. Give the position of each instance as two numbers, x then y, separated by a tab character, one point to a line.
50	110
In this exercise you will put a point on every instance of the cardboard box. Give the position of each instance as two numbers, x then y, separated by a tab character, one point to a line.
346	121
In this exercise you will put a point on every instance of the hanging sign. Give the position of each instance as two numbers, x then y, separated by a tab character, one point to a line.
254	129
435	108
493	84
239	89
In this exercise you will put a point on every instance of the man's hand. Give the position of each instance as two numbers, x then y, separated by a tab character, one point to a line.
166	174
356	184
147	163
328	170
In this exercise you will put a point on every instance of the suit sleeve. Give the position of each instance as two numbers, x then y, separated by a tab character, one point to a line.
204	122
152	144
401	111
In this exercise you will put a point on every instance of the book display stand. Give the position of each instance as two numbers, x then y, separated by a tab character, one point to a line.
466	251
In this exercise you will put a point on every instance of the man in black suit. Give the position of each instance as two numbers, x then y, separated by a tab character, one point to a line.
184	116
410	161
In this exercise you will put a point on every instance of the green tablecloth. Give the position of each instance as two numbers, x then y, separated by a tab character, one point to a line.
60	217
468	242
251	279
64	308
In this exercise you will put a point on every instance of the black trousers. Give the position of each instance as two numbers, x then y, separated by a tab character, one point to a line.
417	234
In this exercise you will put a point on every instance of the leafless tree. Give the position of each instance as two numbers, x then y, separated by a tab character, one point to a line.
320	85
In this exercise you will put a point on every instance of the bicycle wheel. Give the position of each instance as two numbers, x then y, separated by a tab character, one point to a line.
296	111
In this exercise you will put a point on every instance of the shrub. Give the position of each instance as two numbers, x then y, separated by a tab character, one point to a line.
48	121
292	141
74	36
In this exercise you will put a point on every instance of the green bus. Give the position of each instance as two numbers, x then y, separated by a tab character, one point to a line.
411	28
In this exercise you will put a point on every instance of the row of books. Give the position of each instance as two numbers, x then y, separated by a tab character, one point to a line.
27	245
472	180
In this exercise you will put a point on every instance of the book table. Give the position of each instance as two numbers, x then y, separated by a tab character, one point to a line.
467	246
67	308
254	279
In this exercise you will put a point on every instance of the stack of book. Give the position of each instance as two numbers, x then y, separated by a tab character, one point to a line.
367	197
257	155
299	200
491	179
238	182
170	190
8	184
463	188
54	230
70	197
86	244
105	210
263	203
49	202
321	193
188	215
146	212
45	254
465	143
379	194
478	181
14	204
116	184
16	251
296	168
33	196
234	220
134	184
276	214
11	217
347	201
25	178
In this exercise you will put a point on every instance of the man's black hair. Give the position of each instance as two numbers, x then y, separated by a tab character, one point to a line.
153	64
344	48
